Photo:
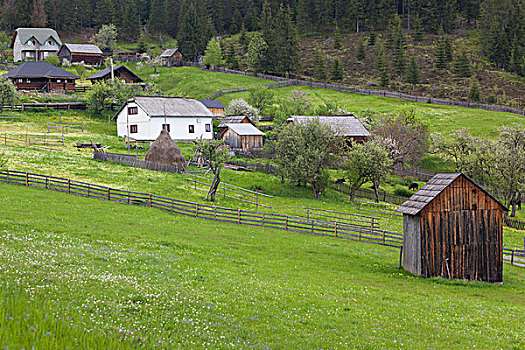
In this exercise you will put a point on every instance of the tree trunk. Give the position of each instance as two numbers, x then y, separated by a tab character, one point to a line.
376	191
513	211
352	194
214	186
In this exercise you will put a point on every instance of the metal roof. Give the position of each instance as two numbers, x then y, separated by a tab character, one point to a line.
419	200
245	129
212	103
344	125
233	119
106	71
169	106
168	52
39	70
40	34
83	48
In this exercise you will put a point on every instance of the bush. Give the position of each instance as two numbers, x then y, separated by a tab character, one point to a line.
403	192
491	100
53	59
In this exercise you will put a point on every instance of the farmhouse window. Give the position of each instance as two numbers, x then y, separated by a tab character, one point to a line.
208	127
133	129
166	127
28	80
133	110
20	80
58	80
191	129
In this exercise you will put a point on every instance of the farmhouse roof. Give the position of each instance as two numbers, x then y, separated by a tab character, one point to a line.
169	106
107	71
84	48
233	119
431	190
212	104
345	125
245	129
40	34
39	70
169	52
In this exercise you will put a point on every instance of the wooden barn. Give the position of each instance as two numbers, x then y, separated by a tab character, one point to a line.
172	58
243	137
76	53
232	119
120	72
453	228
344	125
42	76
215	106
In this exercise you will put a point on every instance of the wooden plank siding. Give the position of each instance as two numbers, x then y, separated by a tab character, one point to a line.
462	234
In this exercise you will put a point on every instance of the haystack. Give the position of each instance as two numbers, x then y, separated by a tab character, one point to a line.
165	151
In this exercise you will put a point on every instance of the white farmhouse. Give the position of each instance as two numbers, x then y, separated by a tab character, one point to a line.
143	118
34	44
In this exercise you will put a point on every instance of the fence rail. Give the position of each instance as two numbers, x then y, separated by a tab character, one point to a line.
65	126
39	141
135	162
356	90
514	223
247	88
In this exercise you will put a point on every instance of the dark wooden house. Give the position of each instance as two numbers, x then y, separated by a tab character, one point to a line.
453	228
344	125
42	76
172	57
76	53
215	106
120	72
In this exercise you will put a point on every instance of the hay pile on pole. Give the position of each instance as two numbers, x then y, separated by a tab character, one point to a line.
165	151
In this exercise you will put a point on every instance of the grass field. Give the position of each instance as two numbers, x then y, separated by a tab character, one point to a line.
90	274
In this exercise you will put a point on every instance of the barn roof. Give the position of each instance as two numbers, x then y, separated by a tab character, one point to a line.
432	189
84	48
233	119
245	129
107	71
39	70
212	104
40	34
169	106
345	125
168	52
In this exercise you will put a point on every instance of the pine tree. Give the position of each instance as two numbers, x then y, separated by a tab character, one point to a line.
372	37
194	31
38	15
361	53
337	39
337	70
283	51
474	93
131	21
243	40
418	34
441	53
462	65
413	75
320	66
516	58
449	51
382	66
399	46
257	54
104	12
231	57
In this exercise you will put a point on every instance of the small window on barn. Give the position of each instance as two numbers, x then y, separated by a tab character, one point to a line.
166	127
191	129
133	129
208	127
27	80
59	81
133	110
20	80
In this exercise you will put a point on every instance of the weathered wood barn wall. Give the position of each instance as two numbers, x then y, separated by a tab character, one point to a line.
453	228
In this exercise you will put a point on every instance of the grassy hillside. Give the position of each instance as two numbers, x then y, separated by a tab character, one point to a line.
87	273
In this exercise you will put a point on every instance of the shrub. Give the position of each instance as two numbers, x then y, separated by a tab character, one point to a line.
53	59
403	192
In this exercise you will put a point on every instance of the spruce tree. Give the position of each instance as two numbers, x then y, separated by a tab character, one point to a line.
194	31
418	34
337	70
243	39
474	93
337	39
231	57
382	66
413	75
320	66
131	21
283	51
399	46
361	53
449	51
372	37
462	65
440	53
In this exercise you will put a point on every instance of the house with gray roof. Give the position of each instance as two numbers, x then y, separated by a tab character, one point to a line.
244	137
142	118
345	125
76	53
172	58
41	76
34	44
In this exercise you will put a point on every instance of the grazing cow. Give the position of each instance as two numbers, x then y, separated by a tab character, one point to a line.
340	181
518	203
414	186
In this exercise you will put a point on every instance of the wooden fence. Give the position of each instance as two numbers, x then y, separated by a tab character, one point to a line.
265	168
514	223
65	126
370	195
8	117
247	88
238	216
48	142
135	162
356	90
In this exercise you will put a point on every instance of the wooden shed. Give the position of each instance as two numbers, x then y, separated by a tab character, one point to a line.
453	228
243	137
120	72
76	53
172	58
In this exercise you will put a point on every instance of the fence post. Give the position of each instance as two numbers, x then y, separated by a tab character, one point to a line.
239	216
195	183
372	222
46	182
7	175
129	199
224	190
512	257
400	256
196	210
82	126
384	233
257	199
335	229
150	199
308	211
5	139
109	194
286	225
68	186
27	179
